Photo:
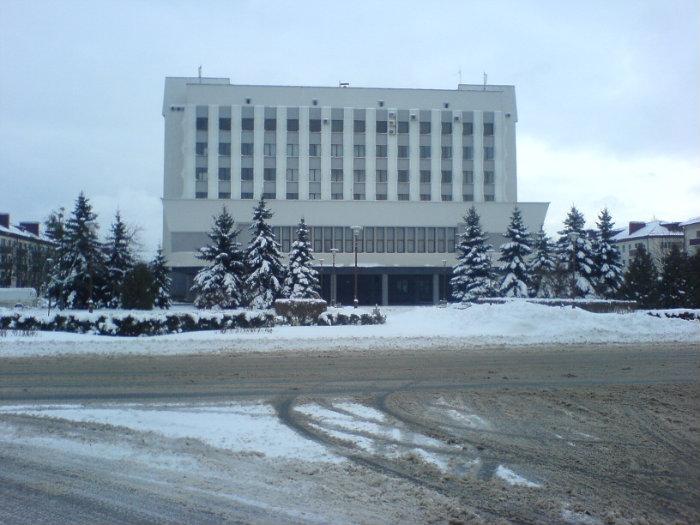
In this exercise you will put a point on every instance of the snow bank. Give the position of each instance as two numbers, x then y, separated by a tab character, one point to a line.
513	323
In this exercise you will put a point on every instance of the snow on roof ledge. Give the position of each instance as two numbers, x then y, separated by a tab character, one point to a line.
694	220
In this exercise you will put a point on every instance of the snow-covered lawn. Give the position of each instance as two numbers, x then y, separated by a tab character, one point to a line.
513	323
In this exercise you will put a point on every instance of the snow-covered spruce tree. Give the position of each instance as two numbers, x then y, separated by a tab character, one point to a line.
514	270
161	281
607	258
265	272
57	271
542	267
221	283
83	259
472	275
302	278
575	258
674	285
641	282
119	260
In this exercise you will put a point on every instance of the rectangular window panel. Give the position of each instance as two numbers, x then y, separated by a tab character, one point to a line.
488	129
292	175
410	240
359	150
381	150
389	233
314	196
358	175
246	149
336	150
225	124
246	173
488	177
468	177
247	124
201	148
489	198
287	238
269	195
420	240
403	127
488	153
269	174
269	150
446	176
337	196
381	196
224	173
467	128
314	125
425	152
338	238
336	126
358	196
314	175
314	150
468	197
446	196
402	175
225	149
451	239
349	248
224	195
381	175
369	239
425	176
292	196
446	152
430	240
379	239
403	152
292	124
202	123
425	196
292	150
381	126
327	239
446	128
246	195
270	124
425	128
402	196
359	126
200	174
400	238
467	153
337	175
200	195
441	240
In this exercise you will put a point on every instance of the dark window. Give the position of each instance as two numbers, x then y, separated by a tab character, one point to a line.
403	127
359	126
269	174
246	173
425	128
224	194
225	124
270	124
201	148
446	197
292	196
403	175
446	152
425	152
381	151
425	175
467	128
246	149
446	176
269	195
202	123
314	150
292	124
337	175
403	152
381	196
488	177
337	126
446	128
381	176
246	195
467	153
200	195
489	198
224	173
488	128
315	125
403	196
381	126
247	124
488	152
225	148
468	177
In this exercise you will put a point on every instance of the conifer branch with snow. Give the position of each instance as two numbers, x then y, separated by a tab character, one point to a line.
607	258
575	255
302	278
472	275
514	270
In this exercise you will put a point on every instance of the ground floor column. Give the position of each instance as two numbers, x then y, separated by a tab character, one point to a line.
436	288
334	288
385	289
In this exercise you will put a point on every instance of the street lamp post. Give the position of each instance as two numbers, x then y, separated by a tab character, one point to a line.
334	287
573	237
444	271
355	234
320	273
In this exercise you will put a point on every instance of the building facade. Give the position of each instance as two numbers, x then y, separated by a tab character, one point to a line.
23	254
657	237
402	164
691	235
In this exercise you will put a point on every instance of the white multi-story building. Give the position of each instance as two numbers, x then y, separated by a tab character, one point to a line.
657	238
403	164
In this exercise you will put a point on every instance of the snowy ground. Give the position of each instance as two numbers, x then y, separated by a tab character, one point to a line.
513	323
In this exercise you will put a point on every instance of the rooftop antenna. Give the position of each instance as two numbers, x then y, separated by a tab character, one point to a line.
199	73
486	77
460	75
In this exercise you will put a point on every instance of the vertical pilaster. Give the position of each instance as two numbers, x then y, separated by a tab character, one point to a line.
392	154
258	158
414	154
334	288
213	153
304	153
385	289
236	152
478	156
498	165
281	155
348	143
326	153
371	154
189	134
457	143
435	155
436	288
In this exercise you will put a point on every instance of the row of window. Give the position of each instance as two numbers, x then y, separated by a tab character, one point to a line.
337	126
466	197
373	239
359	150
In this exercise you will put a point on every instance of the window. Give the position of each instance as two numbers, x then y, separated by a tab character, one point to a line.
247	124
381	126
468	128
403	175
225	149
381	175
200	175
337	196
359	150
225	124
425	196
430	240
410	240
425	128
269	174
379	239
314	196
420	243
224	194
336	150
315	125
336	126
358	175
200	195
441	233
446	152
314	175
269	195
270	150
314	150
468	197
446	128
292	175
337	175
403	196
202	123
200	148
359	196
488	129
224	173
389	234
246	149
425	175
467	153
488	152
489	198
292	196
488	177
425	152
270	124
292	124
381	150
446	197
246	173
292	150
403	152
446	176
359	126
381	196
403	127
246	195
468	177
400	235
369	239
451	234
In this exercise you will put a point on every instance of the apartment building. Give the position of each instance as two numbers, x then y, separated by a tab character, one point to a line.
391	170
657	237
23	253
691	235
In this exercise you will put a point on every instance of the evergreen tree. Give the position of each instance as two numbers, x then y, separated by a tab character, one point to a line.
543	267
57	269
515	273
641	282
119	260
473	272
265	276
607	258
302	278
220	284
138	288
161	281
576	262
675	286
694	280
83	259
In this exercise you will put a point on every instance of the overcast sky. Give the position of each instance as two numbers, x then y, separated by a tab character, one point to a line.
608	92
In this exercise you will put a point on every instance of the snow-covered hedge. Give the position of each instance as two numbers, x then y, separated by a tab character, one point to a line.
688	315
300	311
343	318
136	323
600	306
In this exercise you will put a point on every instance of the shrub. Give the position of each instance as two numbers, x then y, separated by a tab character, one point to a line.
138	291
300	311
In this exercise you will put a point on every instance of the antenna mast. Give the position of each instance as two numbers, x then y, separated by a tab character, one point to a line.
199	73
485	80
